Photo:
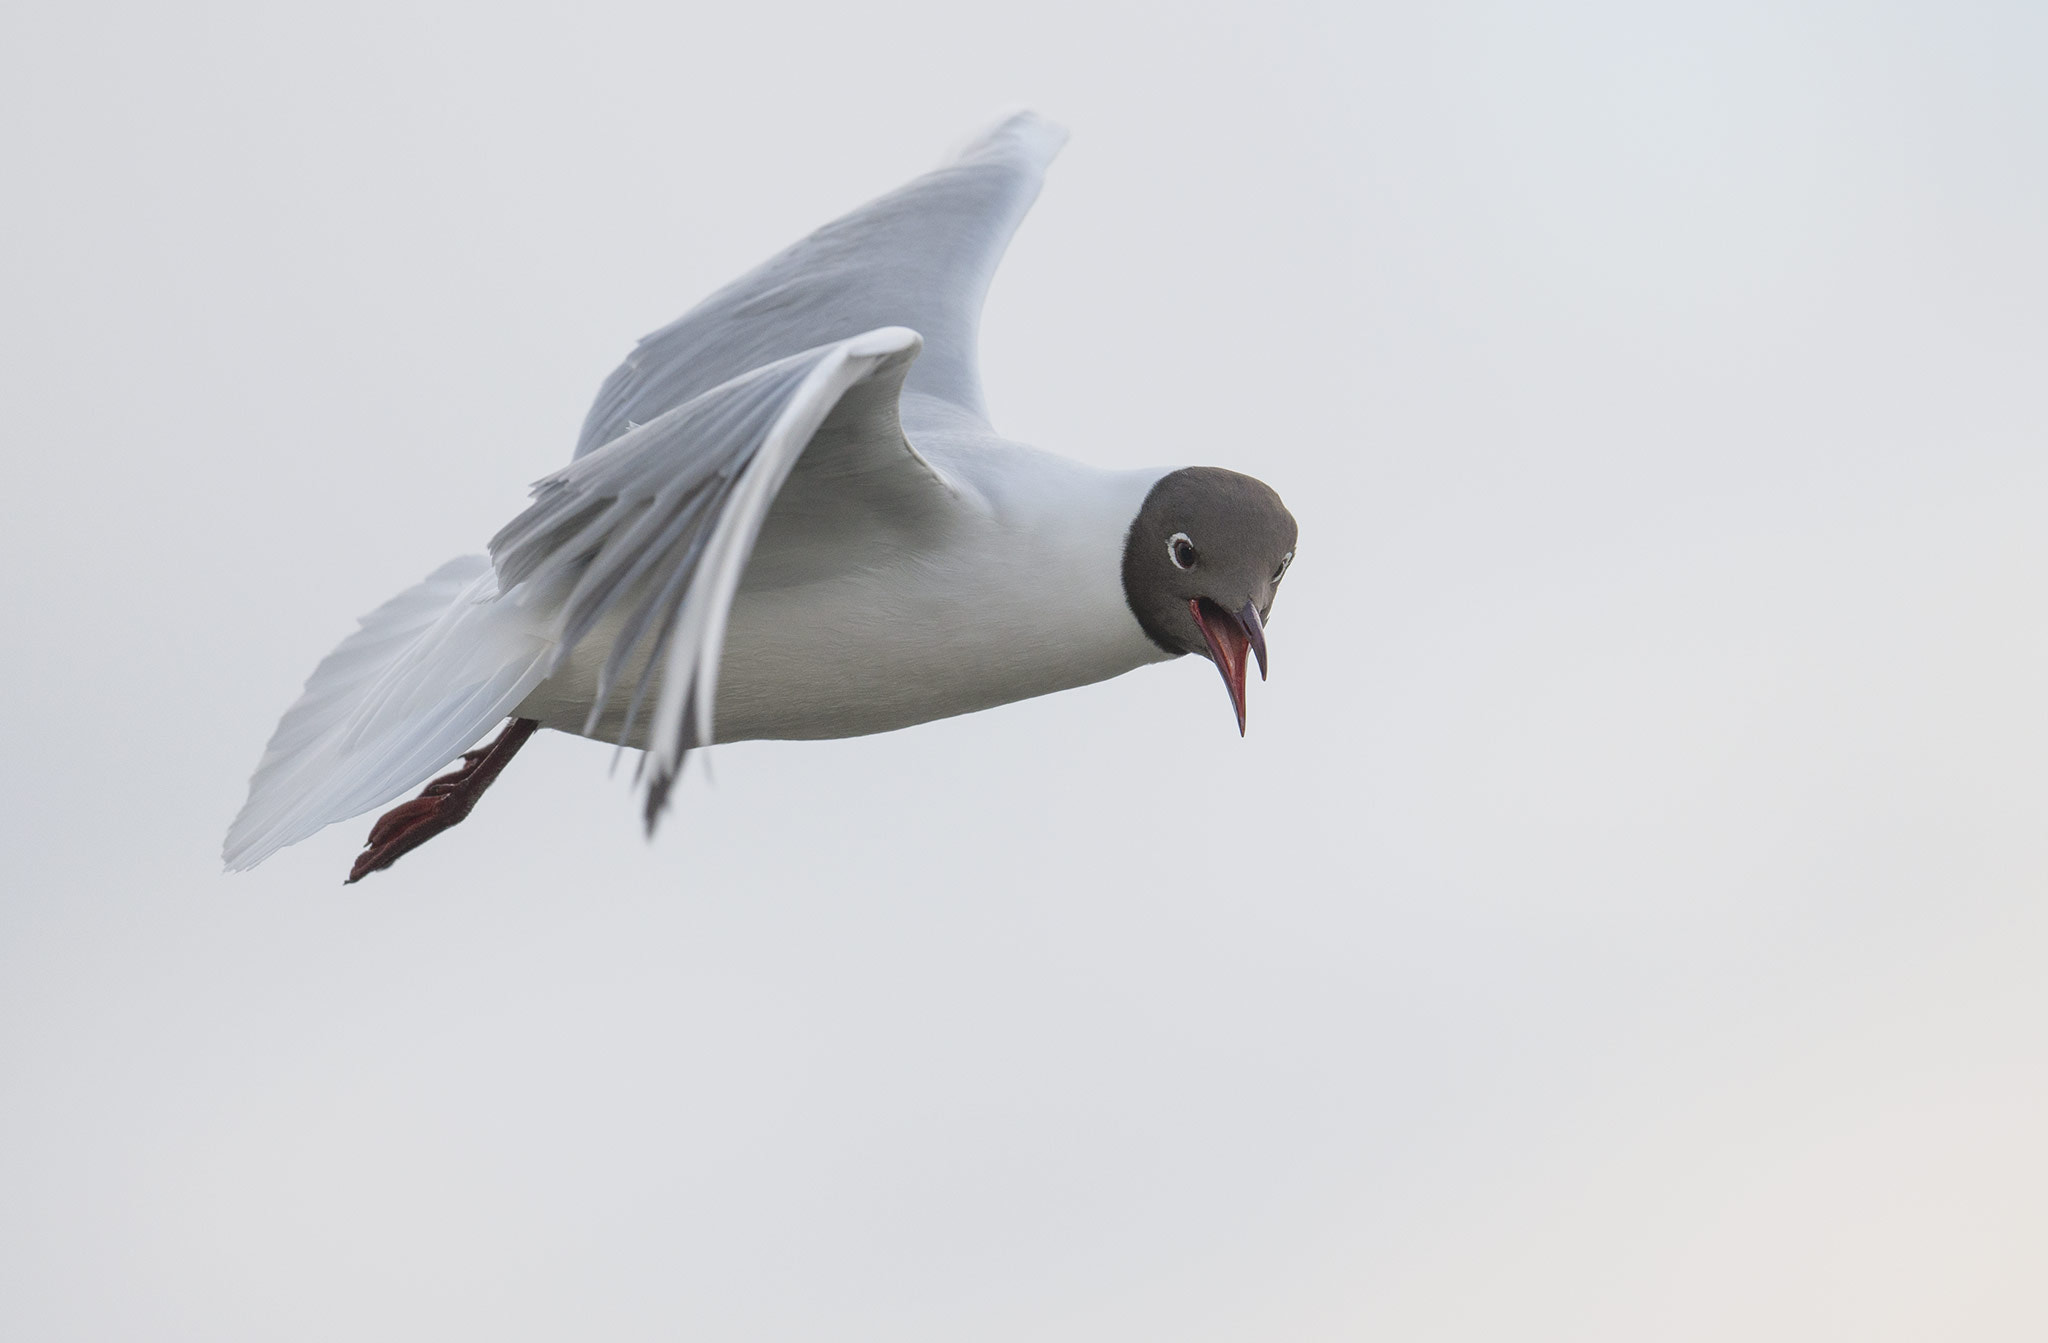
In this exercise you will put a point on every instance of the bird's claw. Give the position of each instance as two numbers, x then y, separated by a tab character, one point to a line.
441	805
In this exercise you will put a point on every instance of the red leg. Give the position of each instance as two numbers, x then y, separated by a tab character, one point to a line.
441	804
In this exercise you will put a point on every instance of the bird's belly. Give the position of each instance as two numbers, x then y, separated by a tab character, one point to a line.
867	652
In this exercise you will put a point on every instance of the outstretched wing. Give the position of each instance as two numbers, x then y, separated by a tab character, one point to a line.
650	533
921	257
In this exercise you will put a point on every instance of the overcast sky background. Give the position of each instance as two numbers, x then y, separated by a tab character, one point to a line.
1625	920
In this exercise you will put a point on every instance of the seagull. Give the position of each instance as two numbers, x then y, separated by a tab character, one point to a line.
788	506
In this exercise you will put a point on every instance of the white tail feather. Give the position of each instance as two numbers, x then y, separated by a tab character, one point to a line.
428	674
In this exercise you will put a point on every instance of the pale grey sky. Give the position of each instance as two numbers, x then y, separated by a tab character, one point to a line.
1625	919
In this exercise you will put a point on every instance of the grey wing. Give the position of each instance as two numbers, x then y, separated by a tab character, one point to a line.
654	529
921	257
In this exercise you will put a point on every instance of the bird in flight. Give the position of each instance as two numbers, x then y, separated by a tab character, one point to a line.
787	516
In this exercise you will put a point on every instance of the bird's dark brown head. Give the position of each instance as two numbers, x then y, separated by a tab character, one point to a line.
1202	563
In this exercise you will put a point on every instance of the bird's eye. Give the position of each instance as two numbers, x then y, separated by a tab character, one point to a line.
1281	572
1181	551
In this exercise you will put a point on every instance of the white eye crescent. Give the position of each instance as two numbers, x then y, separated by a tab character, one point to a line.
1281	572
1181	551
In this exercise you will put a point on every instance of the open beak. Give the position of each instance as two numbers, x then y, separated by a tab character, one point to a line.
1230	639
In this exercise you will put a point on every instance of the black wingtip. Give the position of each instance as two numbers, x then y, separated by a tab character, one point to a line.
657	800
661	780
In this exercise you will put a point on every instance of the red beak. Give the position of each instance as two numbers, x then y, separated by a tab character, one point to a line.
1230	639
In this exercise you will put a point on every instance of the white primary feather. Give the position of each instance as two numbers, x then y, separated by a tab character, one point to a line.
920	257
650	533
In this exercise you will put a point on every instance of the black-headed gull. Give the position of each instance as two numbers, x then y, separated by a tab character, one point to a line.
788	505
